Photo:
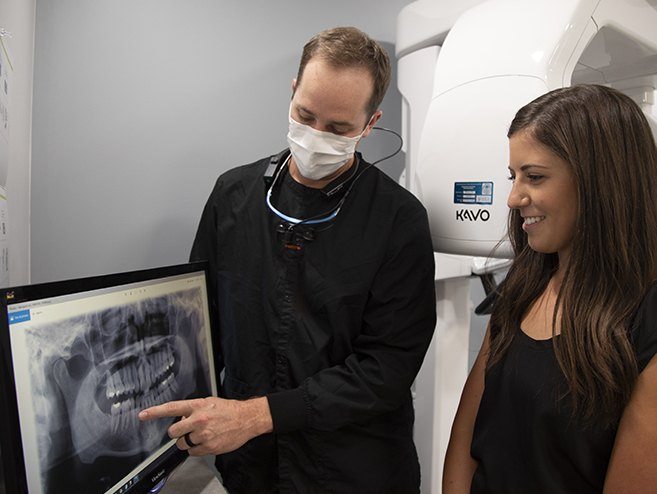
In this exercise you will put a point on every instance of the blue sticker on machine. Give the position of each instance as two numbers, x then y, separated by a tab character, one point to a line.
473	192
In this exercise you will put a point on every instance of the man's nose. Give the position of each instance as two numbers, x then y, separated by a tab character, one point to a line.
321	127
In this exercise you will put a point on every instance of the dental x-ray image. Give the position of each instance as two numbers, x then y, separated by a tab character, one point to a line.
93	373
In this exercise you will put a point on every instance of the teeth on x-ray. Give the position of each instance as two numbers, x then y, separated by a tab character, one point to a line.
138	378
108	366
139	383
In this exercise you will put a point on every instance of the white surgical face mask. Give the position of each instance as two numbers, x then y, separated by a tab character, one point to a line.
317	154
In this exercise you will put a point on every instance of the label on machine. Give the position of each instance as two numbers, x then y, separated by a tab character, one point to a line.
473	192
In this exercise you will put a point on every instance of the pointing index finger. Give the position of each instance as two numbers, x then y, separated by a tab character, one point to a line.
181	408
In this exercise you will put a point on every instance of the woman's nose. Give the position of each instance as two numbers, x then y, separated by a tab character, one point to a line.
518	198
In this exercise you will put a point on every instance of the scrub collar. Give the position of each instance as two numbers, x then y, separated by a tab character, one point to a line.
313	220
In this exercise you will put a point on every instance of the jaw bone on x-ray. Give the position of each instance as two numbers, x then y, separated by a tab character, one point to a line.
92	374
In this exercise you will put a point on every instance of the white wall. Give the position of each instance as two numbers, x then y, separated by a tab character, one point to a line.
140	105
17	16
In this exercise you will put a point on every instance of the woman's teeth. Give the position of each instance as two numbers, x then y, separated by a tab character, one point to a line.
530	220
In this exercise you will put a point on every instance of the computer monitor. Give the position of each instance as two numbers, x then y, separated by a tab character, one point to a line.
80	358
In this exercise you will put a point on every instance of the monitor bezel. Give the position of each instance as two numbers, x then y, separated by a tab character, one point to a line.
11	446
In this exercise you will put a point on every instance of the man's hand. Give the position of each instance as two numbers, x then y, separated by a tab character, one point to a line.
213	425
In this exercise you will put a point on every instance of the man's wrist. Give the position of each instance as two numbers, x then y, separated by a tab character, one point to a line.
259	415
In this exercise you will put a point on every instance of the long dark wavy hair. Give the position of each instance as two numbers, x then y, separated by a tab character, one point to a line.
605	138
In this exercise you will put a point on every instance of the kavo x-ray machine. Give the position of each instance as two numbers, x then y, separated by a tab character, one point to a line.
464	68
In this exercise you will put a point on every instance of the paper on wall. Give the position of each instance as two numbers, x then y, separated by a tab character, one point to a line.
4	243
5	89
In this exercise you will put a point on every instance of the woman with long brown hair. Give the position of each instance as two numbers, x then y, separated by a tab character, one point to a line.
563	394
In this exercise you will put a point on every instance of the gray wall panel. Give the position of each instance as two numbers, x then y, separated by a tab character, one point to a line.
140	105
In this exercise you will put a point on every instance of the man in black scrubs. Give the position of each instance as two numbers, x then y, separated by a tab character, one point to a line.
323	273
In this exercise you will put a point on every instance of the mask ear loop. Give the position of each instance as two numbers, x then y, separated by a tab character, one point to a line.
396	151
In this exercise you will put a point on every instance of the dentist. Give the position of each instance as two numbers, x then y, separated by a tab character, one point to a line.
322	268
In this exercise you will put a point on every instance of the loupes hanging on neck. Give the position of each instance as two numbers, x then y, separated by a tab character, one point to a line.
295	236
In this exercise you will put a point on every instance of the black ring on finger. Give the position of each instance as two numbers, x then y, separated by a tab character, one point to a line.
188	440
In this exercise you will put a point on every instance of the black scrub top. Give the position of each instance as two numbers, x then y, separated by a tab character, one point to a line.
332	327
525	440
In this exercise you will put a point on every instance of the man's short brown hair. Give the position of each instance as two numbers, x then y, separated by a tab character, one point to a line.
348	47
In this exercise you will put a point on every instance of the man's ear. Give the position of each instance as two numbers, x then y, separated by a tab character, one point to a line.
375	118
294	85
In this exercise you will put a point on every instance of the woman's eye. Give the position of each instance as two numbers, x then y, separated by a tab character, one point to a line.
534	177
511	177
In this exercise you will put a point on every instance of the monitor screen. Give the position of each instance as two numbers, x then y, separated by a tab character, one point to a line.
81	358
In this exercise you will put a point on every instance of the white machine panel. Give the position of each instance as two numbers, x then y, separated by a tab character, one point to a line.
462	177
512	37
498	56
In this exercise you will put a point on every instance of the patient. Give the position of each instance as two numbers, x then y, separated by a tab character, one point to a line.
563	394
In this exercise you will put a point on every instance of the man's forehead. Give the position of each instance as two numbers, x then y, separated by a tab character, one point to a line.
340	91
321	67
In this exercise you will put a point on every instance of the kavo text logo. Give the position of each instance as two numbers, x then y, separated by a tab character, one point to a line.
471	215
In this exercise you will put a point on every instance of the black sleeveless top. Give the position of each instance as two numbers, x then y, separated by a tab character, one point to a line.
525	440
